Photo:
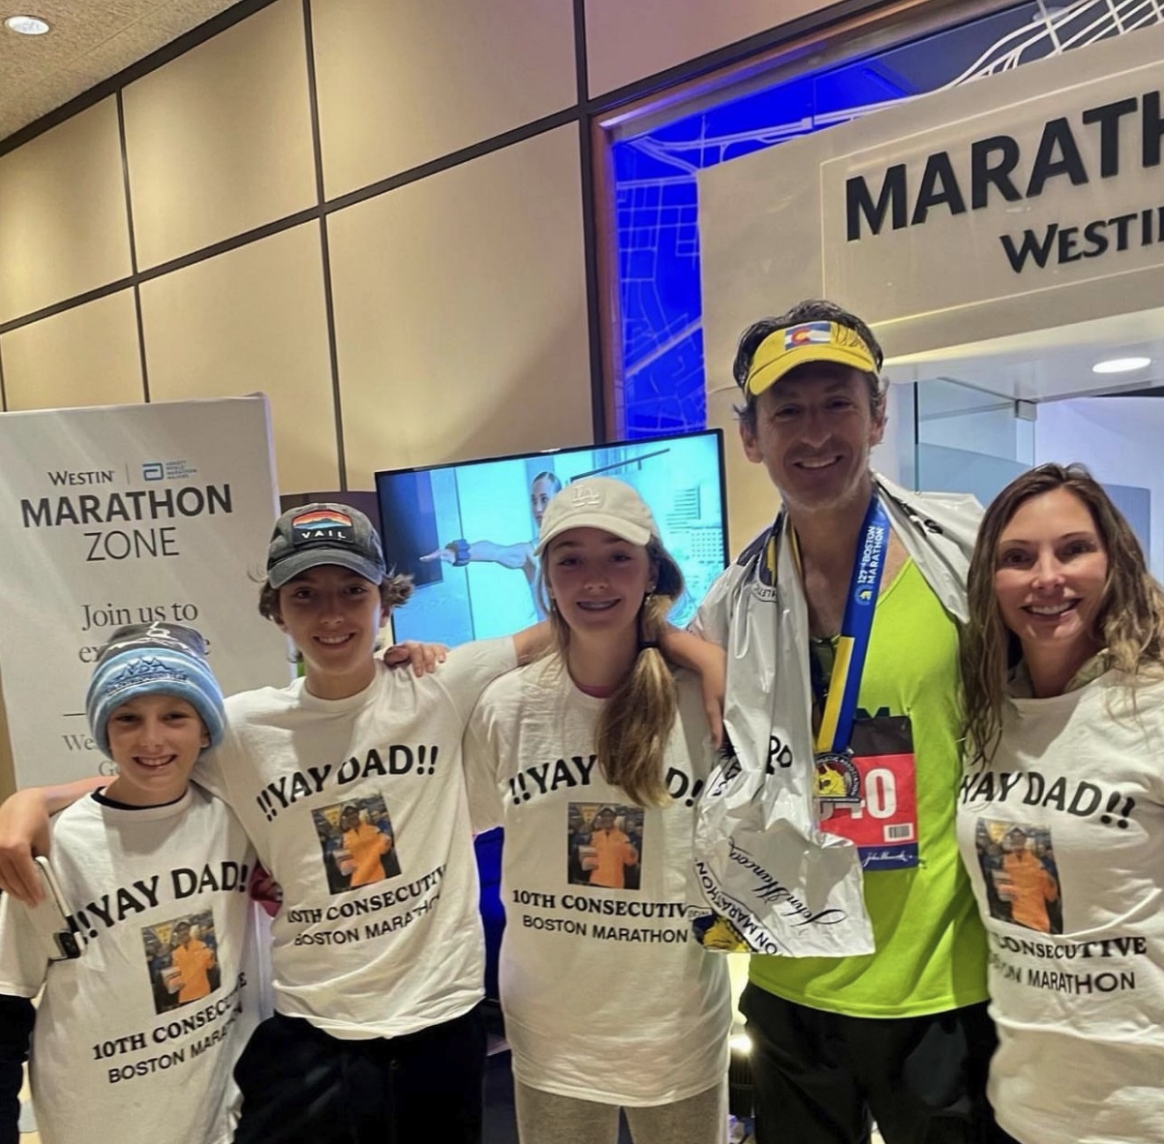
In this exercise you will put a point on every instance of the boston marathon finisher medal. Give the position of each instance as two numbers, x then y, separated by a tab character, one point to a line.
838	780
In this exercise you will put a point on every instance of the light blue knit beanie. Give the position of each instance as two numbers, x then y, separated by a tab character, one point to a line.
153	659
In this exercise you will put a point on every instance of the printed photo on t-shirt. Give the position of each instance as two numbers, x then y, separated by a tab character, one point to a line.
604	844
182	958
1021	874
359	846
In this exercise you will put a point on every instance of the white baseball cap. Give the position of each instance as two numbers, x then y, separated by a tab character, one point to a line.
598	502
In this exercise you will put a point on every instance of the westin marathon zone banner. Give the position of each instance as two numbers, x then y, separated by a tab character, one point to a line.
127	514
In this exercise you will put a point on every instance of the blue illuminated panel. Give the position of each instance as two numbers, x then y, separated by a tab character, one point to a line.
657	194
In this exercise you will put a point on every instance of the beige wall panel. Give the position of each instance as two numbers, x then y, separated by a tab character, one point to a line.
84	356
252	320
219	140
404	82
461	312
627	40
63	224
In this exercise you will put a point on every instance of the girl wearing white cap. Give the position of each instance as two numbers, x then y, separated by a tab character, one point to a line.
591	758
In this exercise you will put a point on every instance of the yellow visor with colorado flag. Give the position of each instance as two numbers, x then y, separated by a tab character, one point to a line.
785	349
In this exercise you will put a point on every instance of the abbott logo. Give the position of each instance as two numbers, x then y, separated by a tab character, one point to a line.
153	471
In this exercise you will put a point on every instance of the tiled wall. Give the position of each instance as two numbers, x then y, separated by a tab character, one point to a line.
371	212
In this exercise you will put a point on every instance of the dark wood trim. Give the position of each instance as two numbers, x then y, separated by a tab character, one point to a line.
67	304
141	350
454	159
325	250
591	214
609	284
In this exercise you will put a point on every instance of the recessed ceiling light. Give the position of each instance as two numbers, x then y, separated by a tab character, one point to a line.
1120	364
27	25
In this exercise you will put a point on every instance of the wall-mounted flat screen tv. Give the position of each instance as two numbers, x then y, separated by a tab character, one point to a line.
466	532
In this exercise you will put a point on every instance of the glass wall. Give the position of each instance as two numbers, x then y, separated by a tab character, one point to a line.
970	440
661	384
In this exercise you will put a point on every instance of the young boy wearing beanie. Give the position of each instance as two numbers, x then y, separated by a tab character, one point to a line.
136	1037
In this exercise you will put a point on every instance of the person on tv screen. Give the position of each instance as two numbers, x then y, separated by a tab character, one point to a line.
521	555
587	748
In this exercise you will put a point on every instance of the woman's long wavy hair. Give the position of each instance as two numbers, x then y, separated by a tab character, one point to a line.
1129	622
636	720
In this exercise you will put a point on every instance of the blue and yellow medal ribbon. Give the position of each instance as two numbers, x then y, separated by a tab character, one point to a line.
839	701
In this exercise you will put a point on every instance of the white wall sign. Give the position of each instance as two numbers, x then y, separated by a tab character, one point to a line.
127	514
1026	200
1062	188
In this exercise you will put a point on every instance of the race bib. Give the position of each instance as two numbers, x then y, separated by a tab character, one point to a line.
869	796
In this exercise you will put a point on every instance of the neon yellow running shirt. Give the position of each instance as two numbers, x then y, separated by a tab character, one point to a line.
930	946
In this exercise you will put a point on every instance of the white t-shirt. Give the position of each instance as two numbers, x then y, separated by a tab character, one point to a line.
135	1040
607	995
1063	836
357	808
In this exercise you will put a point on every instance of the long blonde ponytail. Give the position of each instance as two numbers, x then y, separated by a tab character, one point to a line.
637	719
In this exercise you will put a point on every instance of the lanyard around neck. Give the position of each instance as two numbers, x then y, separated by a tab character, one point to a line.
840	700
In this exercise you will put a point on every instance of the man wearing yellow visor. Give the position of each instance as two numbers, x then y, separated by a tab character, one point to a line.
840	624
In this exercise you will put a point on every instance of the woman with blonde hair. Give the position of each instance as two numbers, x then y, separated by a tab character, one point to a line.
1063	668
608	1002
